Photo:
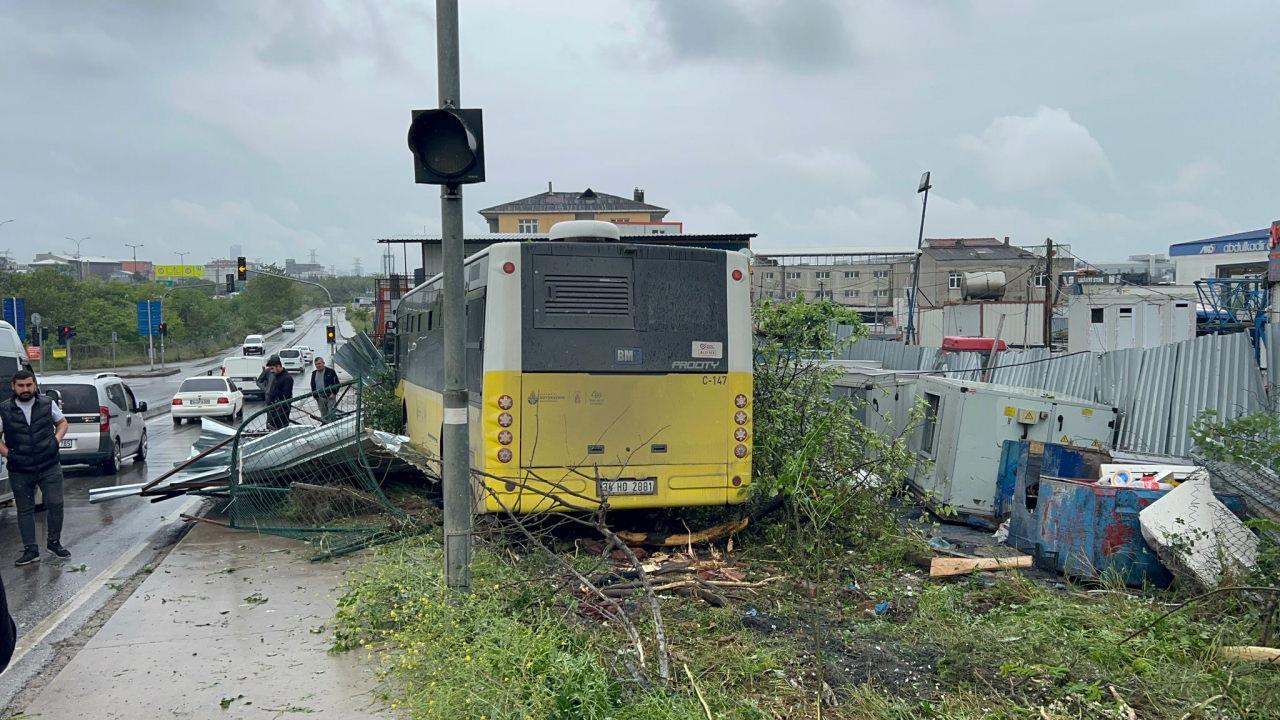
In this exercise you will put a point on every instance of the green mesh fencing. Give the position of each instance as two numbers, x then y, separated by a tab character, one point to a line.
308	469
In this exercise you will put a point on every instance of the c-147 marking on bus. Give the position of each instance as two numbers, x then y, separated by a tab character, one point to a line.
631	332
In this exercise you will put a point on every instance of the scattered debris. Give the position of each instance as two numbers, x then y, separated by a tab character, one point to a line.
255	599
1250	653
946	567
1196	535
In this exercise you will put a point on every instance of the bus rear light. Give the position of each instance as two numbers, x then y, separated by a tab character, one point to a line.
740	451
508	267
737	481
505	420
740	434
737	274
510	486
505	402
740	400
504	455
504	437
740	417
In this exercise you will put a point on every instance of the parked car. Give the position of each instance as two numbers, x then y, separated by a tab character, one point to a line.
253	345
207	396
105	422
291	359
244	372
308	354
288	326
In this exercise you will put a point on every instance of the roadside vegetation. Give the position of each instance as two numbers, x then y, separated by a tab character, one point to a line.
199	324
816	605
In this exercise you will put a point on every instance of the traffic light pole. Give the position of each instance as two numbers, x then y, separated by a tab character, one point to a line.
457	470
333	318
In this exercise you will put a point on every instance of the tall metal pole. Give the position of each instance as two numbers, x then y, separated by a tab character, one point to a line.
1048	297
915	267
457	453
135	258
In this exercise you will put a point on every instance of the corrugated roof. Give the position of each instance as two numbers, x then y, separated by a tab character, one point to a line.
586	201
966	251
491	238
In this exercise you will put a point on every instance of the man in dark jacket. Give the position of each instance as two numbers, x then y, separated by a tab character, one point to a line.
279	391
33	427
324	383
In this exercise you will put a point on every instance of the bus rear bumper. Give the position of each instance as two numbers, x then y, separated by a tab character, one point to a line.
542	489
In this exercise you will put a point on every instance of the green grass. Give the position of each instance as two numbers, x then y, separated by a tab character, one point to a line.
1001	646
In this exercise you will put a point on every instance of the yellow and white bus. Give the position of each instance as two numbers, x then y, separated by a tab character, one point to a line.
605	369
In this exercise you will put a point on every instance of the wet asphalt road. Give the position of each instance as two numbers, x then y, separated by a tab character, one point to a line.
100	536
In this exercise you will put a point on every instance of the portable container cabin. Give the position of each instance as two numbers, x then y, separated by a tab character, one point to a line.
964	428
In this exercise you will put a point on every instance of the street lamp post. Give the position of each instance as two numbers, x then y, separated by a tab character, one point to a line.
135	258
915	267
79	262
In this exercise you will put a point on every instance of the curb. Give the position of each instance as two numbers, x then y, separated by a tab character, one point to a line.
153	374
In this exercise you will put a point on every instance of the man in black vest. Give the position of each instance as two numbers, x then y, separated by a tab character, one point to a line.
279	391
324	383
33	426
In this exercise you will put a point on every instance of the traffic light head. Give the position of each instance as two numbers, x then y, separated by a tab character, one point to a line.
231	283
164	329
330	334
447	146
242	269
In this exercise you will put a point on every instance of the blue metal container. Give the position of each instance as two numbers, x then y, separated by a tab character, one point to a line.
1070	524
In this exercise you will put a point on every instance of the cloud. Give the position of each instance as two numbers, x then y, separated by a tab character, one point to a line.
1198	176
809	36
1043	151
830	165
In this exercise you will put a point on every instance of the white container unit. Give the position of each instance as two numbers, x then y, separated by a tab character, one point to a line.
884	398
966	423
1133	318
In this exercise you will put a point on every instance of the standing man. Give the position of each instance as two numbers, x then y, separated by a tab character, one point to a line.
324	383
33	426
279	391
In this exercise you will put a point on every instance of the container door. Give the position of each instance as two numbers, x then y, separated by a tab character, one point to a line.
1125	330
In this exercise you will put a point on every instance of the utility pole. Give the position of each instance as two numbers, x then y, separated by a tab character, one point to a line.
457	470
135	258
924	187
79	262
1048	297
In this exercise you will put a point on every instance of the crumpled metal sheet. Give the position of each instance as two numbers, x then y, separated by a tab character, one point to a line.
278	452
360	357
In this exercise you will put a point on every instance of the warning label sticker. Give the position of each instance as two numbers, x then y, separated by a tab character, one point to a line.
711	350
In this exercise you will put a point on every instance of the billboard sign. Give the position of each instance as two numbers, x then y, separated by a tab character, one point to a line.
150	315
179	271
15	313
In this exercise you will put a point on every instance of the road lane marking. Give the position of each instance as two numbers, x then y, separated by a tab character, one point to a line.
28	642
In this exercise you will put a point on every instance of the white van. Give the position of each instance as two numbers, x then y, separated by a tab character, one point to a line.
13	357
244	371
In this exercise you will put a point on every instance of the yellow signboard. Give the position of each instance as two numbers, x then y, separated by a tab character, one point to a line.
59	353
179	271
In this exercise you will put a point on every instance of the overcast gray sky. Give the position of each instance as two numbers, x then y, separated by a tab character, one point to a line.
1115	127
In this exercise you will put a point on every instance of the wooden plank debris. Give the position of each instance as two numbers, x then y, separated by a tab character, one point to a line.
946	567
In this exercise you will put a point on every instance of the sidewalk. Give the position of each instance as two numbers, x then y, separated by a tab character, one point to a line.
230	625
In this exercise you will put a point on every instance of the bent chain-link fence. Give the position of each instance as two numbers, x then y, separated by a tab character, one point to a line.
306	468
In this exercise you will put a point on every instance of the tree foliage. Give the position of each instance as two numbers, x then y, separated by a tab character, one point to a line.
1248	440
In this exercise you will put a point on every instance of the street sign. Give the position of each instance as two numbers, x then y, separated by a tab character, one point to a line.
33	353
15	313
150	315
179	271
59	353
36	319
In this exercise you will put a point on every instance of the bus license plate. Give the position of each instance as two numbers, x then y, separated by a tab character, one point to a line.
66	444
647	486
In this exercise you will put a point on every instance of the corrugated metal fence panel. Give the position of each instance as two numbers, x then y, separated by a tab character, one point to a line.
1146	428
1215	372
1073	375
1118	378
1022	368
959	365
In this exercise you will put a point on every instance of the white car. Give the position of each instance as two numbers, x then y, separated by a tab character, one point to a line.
308	355
288	326
253	345
207	396
291	359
